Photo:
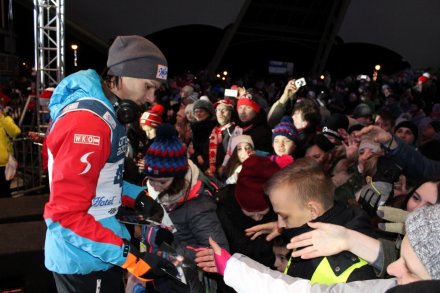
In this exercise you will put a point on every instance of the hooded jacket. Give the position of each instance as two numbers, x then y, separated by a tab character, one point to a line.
86	148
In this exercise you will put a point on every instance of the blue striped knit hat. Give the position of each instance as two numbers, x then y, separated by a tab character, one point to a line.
285	128
166	157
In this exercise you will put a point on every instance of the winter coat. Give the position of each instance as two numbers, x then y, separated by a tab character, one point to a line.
201	132
193	214
245	275
259	131
234	223
86	147
415	165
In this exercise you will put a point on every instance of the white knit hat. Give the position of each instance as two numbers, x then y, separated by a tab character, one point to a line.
423	231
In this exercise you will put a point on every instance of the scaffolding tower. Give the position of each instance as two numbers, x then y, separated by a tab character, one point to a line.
49	68
49	46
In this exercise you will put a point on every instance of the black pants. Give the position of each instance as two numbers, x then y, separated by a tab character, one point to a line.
96	282
5	186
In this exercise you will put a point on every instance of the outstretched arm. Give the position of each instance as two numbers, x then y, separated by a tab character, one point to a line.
278	109
329	239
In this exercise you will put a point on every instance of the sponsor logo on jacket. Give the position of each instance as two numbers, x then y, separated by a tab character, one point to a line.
102	201
86	139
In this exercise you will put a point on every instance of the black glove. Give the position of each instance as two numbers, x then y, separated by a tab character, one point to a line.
377	192
164	235
387	170
149	208
373	195
146	265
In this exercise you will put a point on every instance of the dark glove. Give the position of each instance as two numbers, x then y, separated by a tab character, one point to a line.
145	266
148	207
377	192
373	195
387	170
164	235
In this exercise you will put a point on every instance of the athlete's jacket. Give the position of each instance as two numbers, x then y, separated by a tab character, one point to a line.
86	149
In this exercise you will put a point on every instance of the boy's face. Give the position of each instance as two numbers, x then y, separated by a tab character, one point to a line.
298	120
281	257
283	145
291	213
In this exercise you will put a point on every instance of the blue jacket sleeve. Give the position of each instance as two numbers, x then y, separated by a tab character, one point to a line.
131	190
415	165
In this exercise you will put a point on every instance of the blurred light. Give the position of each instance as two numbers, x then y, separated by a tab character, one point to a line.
225	73
218	75
75	54
377	67
322	76
223	78
24	63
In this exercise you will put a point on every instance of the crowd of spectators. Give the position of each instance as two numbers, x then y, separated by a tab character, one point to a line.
271	160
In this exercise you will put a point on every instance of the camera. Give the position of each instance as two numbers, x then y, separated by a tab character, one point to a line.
300	82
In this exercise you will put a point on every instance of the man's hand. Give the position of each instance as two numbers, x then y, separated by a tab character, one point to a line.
270	228
325	240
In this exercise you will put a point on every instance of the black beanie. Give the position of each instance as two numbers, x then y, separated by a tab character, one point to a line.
411	126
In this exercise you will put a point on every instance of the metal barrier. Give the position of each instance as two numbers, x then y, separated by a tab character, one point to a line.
29	177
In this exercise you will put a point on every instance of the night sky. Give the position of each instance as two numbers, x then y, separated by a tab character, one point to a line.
185	51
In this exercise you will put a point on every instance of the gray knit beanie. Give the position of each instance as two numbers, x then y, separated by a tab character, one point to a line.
135	56
423	231
208	106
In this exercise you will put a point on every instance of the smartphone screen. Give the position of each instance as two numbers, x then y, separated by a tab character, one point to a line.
231	93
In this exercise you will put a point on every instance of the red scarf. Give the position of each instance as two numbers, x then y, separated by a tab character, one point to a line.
215	139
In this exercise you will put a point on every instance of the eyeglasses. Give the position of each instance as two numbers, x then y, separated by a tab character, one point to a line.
222	110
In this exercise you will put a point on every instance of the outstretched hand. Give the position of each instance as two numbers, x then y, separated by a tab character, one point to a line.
212	260
324	240
290	88
270	228
374	133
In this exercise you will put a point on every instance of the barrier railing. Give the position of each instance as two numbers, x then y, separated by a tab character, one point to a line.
29	177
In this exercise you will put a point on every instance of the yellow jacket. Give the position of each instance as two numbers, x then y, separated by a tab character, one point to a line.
8	130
